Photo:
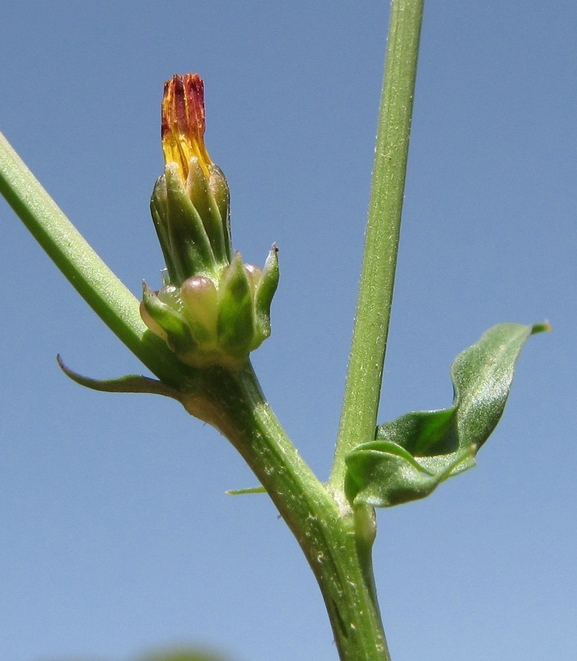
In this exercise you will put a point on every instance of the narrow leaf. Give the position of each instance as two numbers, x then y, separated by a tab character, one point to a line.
244	492
133	383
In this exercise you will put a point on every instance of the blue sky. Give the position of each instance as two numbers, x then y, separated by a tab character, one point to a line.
115	533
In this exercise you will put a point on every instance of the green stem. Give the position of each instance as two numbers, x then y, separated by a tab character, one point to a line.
336	546
366	362
335	539
90	276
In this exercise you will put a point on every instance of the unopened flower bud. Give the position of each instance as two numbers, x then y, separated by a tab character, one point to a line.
212	309
190	201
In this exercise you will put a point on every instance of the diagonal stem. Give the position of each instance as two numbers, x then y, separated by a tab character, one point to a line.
89	275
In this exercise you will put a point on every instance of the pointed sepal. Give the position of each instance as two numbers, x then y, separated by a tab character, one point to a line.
166	322
265	290
235	310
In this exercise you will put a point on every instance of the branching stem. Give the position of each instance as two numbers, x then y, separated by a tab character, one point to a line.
337	547
336	539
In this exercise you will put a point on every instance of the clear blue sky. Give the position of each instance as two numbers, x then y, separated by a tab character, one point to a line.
115	533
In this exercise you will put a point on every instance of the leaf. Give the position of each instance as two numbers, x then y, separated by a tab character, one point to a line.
184	655
244	492
133	383
413	454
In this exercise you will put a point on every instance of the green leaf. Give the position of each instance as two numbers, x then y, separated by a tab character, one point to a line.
184	655
412	455
133	383
244	492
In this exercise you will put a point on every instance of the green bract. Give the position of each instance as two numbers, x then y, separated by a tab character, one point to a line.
192	221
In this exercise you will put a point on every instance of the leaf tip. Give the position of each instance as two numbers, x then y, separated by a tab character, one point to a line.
133	383
69	373
545	327
244	492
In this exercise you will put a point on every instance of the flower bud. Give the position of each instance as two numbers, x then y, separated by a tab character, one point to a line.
212	309
190	201
183	123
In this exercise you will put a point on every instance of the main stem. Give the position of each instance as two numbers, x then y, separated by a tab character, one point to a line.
336	545
367	357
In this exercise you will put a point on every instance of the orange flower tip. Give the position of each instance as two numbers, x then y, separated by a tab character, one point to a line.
183	123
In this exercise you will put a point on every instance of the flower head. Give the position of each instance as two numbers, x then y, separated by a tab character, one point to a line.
183	123
190	204
212	308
